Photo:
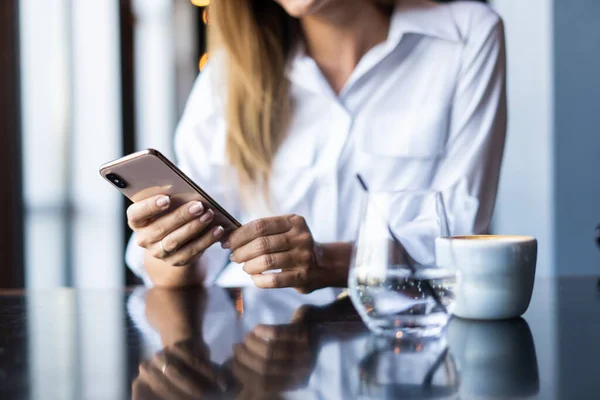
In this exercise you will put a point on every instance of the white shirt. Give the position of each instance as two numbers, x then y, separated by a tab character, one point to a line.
426	109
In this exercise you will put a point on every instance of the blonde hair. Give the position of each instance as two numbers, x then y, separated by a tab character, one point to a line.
257	37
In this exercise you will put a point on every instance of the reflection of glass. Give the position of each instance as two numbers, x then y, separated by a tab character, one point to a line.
415	369
394	280
496	359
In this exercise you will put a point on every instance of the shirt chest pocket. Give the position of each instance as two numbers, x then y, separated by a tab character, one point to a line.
414	133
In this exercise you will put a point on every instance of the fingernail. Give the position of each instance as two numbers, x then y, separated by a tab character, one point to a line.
232	257
218	231
168	372
262	331
163	201
196	208
225	244
207	216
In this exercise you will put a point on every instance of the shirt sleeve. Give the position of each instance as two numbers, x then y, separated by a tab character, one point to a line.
469	172
200	152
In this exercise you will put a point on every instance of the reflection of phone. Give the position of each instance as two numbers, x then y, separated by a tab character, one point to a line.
148	173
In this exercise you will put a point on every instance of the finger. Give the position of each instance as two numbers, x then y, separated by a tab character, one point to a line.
254	385
189	252
198	348
180	376
165	224
259	365
159	384
182	235
199	365
296	277
291	332
144	210
261	245
257	228
303	313
140	390
295	351
268	262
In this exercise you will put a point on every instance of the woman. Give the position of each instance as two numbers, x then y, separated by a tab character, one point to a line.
299	97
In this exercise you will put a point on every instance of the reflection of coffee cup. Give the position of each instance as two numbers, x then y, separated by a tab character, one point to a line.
495	359
496	273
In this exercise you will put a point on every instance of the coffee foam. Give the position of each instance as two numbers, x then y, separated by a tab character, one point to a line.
501	238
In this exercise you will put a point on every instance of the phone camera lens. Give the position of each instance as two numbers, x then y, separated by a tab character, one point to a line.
116	180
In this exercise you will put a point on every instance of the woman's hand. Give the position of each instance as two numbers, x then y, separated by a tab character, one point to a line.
180	371
272	359
176	236
284	243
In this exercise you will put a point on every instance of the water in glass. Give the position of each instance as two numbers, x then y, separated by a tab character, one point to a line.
395	282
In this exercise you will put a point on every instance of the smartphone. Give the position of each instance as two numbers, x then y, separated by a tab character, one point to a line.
148	173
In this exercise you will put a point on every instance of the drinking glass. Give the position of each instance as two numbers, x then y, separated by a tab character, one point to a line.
395	280
417	368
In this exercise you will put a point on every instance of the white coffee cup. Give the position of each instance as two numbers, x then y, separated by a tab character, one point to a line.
495	273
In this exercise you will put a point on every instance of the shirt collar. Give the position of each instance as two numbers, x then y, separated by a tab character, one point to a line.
423	17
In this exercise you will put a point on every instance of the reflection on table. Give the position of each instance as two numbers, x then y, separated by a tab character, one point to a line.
322	351
251	343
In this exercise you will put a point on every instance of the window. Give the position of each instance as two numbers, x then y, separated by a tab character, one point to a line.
99	79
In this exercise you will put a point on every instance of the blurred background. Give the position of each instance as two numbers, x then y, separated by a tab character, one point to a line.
83	82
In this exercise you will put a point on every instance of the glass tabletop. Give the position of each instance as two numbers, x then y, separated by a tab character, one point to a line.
251	343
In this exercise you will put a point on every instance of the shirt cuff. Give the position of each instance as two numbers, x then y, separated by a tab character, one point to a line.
134	258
